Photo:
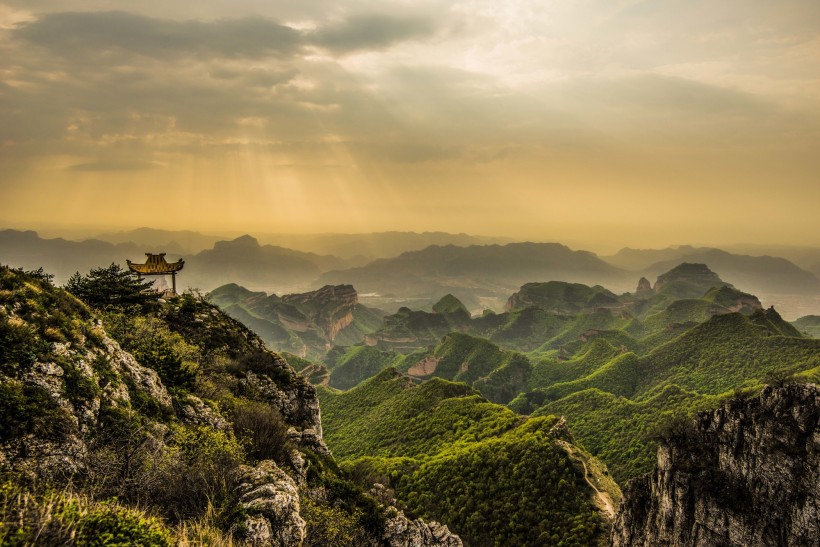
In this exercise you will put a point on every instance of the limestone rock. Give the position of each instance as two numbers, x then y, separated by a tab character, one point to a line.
141	378
271	499
193	411
746	474
297	402
644	285
331	307
399	531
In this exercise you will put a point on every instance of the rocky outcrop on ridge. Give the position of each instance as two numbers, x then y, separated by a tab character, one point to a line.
744	474
331	307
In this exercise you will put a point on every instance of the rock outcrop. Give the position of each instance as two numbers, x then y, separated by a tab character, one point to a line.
331	307
562	298
400	531
689	280
271	499
644	286
745	474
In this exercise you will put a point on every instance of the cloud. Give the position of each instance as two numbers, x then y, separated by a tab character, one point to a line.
114	165
83	33
371	32
69	34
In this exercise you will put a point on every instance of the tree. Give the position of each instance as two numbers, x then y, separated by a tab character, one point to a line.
111	286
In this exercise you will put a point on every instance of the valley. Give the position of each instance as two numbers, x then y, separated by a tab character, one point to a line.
538	414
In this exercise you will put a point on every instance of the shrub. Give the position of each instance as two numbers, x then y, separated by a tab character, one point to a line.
329	526
111	286
265	432
202	471
111	525
20	345
153	345
263	363
63	518
27	408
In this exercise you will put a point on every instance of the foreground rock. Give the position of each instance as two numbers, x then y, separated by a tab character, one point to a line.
746	474
403	532
271	499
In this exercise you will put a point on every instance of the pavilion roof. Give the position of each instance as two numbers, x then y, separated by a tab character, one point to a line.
156	265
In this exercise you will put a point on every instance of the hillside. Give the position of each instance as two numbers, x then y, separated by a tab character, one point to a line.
164	423
621	402
559	324
449	454
561	298
810	324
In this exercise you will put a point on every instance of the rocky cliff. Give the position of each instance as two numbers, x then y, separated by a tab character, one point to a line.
177	408
331	307
745	474
304	324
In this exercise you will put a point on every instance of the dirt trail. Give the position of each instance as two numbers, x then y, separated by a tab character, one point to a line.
604	499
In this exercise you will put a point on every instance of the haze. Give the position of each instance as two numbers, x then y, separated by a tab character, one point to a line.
606	123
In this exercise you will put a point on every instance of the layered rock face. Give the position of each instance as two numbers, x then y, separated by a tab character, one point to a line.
561	297
331	307
746	474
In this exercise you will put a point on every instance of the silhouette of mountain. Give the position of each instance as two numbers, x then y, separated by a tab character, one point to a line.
479	272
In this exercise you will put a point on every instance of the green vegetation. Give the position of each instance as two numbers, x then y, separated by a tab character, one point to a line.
351	365
494	477
561	297
809	324
449	304
60	518
111	286
81	423
616	369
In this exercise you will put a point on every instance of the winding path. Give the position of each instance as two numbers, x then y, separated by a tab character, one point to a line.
604	499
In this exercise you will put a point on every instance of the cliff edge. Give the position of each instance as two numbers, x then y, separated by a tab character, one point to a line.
744	474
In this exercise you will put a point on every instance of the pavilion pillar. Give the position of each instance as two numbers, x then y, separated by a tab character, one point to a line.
174	283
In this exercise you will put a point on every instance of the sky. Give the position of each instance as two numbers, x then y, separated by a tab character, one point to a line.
596	122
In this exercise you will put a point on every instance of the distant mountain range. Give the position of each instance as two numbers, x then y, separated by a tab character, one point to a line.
61	257
481	276
757	274
477	274
360	247
246	262
172	241
375	245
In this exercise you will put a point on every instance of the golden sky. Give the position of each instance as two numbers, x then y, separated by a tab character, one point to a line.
596	122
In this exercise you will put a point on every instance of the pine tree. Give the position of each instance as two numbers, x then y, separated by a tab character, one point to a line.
111	286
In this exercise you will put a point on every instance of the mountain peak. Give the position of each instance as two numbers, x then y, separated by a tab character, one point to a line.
449	304
694	278
245	242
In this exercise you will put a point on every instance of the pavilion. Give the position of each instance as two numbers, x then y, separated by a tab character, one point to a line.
156	265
